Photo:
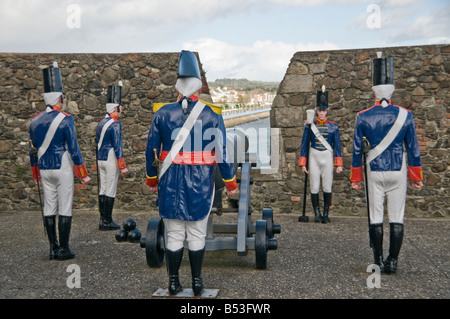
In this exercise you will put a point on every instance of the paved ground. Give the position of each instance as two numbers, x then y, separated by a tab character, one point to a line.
313	261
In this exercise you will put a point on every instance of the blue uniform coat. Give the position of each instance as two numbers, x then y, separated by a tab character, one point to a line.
64	139
374	123
111	140
330	131
186	188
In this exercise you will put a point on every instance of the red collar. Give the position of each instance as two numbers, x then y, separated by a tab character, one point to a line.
114	116
322	122
193	97
57	108
378	102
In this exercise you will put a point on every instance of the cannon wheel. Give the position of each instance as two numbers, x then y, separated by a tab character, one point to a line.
267	215
154	243
261	244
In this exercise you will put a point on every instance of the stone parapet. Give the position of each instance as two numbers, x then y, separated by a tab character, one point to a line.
421	77
147	78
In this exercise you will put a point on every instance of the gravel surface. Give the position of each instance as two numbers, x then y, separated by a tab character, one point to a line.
313	261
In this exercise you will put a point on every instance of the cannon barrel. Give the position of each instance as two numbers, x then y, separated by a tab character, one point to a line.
237	146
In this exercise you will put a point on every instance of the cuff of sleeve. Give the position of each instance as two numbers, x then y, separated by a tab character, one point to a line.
80	171
415	173
338	161
152	181
356	174
302	161
36	172
230	184
121	163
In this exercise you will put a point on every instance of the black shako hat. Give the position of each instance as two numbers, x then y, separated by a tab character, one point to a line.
322	99
188	65
114	94
52	79
382	70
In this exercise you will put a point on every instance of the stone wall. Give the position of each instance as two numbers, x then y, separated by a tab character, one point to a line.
147	78
422	85
421	77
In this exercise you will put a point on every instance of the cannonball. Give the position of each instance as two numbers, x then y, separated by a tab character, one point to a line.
134	235
129	225
121	235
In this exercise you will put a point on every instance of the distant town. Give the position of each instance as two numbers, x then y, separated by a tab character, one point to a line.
242	94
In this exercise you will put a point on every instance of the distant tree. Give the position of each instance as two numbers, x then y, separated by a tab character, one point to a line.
244	84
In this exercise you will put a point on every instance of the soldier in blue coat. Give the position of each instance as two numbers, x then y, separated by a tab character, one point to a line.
110	159
389	130
52	134
324	155
185	179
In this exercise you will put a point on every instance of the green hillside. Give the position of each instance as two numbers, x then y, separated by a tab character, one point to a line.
244	84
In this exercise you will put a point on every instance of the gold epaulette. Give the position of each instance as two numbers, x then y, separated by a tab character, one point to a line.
216	109
157	106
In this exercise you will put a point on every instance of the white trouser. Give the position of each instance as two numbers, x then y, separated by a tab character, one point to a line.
109	175
320	167
393	185
193	231
57	186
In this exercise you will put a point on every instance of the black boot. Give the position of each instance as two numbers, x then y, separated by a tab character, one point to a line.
173	265
326	207
64	225
315	204
101	208
376	238
196	260
50	226
108	223
395	243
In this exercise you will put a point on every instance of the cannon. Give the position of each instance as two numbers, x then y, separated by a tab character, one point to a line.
241	236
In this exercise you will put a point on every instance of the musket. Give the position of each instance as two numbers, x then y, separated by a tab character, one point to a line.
34	153
304	218
157	164
96	161
366	149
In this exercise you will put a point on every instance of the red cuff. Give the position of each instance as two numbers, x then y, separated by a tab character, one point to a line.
80	171
231	184
151	181
36	172
356	174
415	173
302	161
338	161
121	163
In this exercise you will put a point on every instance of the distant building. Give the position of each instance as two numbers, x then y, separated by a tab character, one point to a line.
233	98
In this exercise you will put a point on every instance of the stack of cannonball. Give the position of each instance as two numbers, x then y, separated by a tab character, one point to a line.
129	232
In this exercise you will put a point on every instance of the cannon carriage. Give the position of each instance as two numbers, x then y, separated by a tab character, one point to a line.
241	236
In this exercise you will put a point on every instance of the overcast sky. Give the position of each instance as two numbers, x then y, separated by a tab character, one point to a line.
253	39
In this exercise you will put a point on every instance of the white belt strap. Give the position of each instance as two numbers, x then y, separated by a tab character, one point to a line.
181	137
102	134
50	134
319	136
390	136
